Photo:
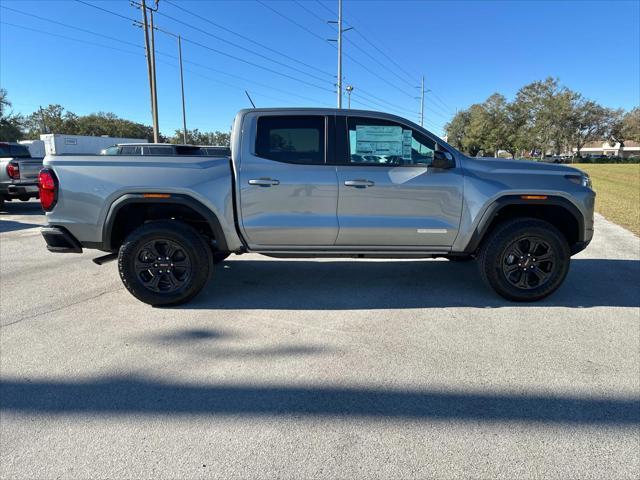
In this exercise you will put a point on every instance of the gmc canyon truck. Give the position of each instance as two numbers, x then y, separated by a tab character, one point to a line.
318	183
18	173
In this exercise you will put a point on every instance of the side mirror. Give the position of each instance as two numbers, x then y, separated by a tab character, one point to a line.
442	160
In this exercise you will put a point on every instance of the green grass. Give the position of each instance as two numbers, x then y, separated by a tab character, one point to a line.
618	192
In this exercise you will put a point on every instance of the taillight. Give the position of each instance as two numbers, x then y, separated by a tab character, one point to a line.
13	170
48	186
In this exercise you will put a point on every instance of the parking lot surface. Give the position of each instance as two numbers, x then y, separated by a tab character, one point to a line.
317	368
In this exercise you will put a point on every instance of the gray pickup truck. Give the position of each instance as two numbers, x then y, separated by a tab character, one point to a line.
319	183
18	173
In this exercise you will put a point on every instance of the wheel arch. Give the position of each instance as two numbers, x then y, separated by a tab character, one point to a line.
134	209
558	211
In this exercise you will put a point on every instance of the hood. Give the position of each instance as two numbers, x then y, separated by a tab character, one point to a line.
522	166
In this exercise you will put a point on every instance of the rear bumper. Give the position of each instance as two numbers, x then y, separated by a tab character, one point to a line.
20	190
60	240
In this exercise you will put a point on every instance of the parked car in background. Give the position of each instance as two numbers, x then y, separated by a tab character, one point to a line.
151	149
166	149
324	183
216	151
18	173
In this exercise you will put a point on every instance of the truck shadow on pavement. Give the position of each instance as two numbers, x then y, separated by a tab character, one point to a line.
363	285
136	396
11	226
21	208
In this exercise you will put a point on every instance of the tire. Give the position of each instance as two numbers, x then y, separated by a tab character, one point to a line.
219	257
182	271
524	260
1	201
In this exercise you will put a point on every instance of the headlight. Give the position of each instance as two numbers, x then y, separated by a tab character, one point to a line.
583	179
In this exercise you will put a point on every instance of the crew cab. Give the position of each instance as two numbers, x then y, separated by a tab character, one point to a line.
18	173
319	183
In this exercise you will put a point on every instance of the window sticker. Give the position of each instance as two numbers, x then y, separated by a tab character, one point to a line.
379	140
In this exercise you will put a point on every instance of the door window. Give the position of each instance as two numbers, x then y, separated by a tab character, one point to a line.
382	142
293	139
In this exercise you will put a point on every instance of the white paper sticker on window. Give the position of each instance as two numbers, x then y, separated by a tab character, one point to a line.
379	140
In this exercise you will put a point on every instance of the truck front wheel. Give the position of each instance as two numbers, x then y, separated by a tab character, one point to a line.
164	263
524	260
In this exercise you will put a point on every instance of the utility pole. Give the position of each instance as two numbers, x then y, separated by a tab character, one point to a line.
421	98
150	69
339	54
339	40
422	102
349	89
184	112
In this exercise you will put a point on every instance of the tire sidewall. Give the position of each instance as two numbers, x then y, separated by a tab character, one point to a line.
191	242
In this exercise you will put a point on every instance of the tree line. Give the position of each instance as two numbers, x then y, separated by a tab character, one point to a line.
544	118
55	119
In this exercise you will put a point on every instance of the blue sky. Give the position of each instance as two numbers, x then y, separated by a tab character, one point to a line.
465	50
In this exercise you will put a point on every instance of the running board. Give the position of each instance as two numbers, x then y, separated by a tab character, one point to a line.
105	258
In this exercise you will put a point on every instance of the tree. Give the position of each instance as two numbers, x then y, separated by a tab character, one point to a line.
625	126
102	123
456	129
196	137
52	119
10	123
589	122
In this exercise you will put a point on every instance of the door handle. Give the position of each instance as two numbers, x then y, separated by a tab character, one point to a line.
264	182
359	183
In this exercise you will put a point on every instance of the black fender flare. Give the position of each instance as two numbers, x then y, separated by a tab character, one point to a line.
508	200
172	199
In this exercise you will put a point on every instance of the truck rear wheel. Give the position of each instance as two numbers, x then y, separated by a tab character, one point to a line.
524	260
164	263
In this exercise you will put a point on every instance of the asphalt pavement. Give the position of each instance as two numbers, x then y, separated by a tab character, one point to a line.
317	369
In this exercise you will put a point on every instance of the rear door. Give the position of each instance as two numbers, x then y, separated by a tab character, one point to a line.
389	195
288	192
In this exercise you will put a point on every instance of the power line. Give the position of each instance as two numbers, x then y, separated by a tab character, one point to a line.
220	52
259	44
110	47
240	47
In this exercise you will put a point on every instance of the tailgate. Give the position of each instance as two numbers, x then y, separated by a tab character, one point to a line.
29	169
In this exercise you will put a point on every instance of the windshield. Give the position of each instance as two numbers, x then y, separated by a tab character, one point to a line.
7	150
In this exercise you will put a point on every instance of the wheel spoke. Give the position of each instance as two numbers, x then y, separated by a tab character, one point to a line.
534	243
541	275
508	269
522	281
545	256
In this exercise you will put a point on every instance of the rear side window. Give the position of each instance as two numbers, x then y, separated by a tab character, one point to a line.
292	139
7	150
157	150
130	150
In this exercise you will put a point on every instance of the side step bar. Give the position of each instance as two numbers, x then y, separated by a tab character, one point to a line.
105	258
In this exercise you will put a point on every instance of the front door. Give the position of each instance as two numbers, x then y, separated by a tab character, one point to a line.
288	193
389	194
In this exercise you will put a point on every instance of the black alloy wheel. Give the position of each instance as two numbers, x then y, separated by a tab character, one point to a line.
163	265
529	263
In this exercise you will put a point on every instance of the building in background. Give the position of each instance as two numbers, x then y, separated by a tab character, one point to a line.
593	149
